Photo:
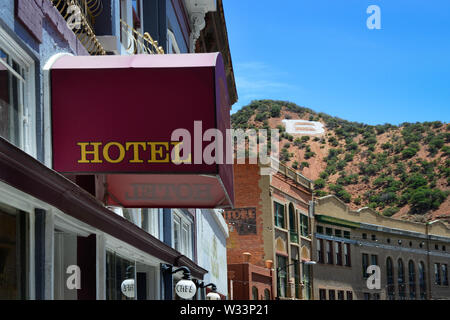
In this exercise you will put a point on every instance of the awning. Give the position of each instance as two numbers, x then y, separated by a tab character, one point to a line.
117	116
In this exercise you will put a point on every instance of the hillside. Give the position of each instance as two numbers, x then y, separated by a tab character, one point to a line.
401	171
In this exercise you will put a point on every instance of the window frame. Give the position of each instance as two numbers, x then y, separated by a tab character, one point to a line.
26	62
184	247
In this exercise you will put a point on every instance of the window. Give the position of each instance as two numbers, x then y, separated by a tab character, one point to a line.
331	295
412	280
254	293
338	233
292	218
117	271
437	274
150	221
319	229
390	279
329	231
374	260
281	276
338	253
388	240
347	234
319	243
373	237
365	264
307	281
17	96
347	256
422	281
322	294
349	295
65	255
279	215
266	294
304	225
329	249
340	295
436	247
293	232
444	275
182	233
366	296
13	254
296	268
172	44
364	236
401	280
376	296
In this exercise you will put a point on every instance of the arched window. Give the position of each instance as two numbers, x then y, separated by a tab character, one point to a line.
293	223
254	293
390	279
412	280
422	281
266	294
401	280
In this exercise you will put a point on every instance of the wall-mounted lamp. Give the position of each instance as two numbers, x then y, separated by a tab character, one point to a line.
185	288
212	295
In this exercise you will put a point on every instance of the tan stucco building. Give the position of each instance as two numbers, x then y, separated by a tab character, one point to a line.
413	257
271	222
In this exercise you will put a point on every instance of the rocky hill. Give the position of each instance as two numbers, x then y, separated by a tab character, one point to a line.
401	171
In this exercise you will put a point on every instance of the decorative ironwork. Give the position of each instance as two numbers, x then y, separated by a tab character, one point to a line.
83	20
138	43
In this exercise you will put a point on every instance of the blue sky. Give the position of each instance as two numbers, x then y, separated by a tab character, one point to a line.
321	55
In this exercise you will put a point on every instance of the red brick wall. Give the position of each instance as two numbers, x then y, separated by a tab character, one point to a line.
244	277
247	194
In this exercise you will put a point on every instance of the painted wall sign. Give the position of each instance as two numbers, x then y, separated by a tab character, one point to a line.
135	119
242	219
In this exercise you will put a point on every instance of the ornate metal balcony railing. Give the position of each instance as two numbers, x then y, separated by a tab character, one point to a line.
136	43
83	21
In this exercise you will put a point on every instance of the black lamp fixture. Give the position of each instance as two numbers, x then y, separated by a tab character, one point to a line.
185	288
168	268
212	295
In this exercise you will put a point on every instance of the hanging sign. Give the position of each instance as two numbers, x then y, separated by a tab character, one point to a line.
137	120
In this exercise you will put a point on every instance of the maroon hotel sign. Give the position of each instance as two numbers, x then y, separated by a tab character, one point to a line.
114	117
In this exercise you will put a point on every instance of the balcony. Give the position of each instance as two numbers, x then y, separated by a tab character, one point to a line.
80	16
136	43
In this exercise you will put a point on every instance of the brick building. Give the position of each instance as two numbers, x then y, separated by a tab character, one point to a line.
271	222
413	257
